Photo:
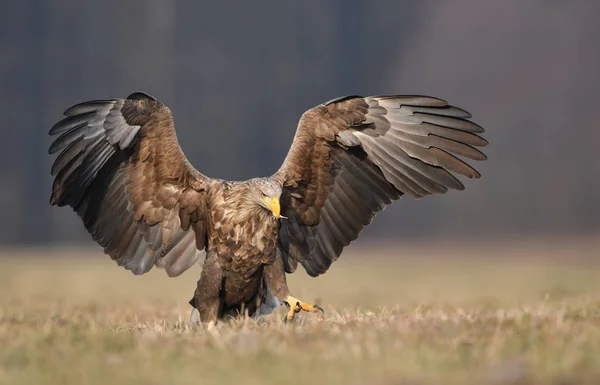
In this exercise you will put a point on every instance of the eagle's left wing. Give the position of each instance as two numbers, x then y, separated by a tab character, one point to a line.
353	156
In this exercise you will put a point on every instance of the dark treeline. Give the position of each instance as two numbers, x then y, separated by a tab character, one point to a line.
238	75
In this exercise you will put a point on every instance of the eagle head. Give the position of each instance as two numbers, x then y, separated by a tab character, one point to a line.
266	192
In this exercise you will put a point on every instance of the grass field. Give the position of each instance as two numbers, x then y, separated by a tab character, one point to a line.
499	313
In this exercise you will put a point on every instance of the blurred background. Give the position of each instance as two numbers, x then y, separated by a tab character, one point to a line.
238	75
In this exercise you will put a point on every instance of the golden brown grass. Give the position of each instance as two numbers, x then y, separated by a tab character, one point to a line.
503	313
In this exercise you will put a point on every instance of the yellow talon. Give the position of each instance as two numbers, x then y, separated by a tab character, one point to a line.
296	306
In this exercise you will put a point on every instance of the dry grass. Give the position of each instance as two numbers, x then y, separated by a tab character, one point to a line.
525	313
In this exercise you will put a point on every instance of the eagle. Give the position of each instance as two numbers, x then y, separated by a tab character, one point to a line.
121	169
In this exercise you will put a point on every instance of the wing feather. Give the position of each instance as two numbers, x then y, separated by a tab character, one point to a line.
122	170
353	156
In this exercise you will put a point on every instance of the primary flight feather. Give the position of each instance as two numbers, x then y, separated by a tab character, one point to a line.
120	167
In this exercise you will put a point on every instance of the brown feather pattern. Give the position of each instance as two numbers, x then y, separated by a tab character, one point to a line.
121	169
354	155
242	235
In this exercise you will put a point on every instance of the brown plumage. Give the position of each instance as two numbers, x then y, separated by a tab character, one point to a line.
122	170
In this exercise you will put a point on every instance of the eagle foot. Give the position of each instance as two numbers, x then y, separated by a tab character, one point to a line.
296	306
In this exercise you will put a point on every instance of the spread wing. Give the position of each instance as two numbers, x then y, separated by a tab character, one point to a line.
120	167
353	156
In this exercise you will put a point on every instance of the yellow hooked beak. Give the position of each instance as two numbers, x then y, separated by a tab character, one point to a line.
273	205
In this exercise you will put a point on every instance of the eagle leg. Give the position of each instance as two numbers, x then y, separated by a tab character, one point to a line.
274	276
207	301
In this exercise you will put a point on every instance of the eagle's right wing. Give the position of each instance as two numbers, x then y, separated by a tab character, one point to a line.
122	170
353	156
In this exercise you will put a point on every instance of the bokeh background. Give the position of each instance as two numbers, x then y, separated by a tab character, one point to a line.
495	284
238	75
